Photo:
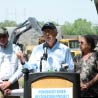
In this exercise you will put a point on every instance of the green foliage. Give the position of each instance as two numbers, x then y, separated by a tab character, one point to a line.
95	29
8	23
66	29
79	27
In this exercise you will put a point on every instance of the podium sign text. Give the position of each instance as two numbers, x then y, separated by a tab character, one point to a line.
52	87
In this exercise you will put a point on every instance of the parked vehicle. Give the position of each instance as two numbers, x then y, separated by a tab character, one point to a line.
73	44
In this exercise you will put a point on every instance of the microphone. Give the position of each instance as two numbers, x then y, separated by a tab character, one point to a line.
45	47
64	67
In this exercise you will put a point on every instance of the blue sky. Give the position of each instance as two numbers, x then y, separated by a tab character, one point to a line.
48	10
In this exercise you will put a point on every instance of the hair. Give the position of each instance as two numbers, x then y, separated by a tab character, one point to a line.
90	40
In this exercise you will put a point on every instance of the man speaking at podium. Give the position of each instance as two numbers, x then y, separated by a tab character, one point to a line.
50	55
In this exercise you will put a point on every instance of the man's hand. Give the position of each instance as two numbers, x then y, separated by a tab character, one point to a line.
84	86
7	92
20	56
4	85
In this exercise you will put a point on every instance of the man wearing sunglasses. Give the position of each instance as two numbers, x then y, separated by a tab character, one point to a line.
10	66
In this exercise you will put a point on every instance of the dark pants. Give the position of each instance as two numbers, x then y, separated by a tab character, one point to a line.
13	86
89	93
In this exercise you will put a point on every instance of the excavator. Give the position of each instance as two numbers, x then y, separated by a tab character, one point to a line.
29	24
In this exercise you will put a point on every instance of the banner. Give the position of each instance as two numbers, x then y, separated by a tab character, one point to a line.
52	92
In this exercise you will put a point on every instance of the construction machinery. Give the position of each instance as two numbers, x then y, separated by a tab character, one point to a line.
25	27
73	44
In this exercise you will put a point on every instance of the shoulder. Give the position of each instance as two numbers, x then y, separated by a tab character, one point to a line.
16	47
61	45
95	54
38	47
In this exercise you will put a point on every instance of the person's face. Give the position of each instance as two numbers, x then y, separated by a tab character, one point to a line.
50	36
3	39
84	46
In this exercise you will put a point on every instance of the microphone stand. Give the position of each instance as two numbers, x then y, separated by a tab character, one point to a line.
44	57
41	64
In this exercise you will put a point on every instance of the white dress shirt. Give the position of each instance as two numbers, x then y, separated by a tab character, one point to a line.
10	66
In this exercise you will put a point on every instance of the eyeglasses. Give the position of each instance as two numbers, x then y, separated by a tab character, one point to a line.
81	42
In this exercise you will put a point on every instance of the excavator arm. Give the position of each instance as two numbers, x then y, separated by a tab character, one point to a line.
30	23
96	5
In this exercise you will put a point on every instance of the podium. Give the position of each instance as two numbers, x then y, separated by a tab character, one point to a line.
52	85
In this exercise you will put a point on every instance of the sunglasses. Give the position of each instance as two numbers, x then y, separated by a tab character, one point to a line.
81	42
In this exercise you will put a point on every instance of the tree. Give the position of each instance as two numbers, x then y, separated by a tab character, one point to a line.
82	26
95	29
8	23
66	29
79	27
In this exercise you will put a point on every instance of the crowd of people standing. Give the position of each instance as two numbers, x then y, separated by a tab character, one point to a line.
52	55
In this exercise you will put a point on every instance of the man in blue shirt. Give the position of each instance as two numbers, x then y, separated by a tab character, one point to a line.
50	55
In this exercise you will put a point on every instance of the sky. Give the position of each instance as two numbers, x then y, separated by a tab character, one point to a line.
59	11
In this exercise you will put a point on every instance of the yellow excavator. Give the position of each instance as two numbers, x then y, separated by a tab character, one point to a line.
73	44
